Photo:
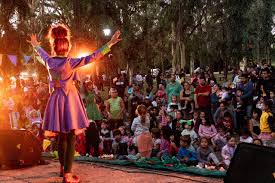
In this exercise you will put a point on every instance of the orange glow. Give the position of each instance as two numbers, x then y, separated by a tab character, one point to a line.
81	48
82	54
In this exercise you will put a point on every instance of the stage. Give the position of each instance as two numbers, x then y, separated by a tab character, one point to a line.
97	173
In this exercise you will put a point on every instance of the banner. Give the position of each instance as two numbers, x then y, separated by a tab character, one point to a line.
1	57
26	58
13	59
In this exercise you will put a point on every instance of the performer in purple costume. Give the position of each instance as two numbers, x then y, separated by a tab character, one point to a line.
65	114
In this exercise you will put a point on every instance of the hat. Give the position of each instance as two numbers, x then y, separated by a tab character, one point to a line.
182	121
188	122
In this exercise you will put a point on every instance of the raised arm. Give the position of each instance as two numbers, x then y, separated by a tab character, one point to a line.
98	54
79	62
41	52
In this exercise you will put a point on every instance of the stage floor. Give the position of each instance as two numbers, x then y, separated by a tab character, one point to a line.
98	173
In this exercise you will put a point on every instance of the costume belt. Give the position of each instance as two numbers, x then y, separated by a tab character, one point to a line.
56	84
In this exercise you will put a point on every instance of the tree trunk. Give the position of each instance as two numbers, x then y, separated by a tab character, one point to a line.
77	17
192	63
130	75
161	59
182	55
173	51
258	42
269	60
258	49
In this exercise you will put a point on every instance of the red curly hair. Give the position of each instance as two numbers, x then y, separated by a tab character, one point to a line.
59	37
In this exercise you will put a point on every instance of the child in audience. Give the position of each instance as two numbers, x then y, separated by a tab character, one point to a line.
207	130
120	148
260	103
155	132
163	118
202	116
35	117
267	125
173	106
187	154
164	141
206	156
174	146
161	94
228	150
254	123
246	136
124	136
188	130
107	137
219	140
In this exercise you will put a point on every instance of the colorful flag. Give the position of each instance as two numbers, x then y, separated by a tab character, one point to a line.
13	59
26	58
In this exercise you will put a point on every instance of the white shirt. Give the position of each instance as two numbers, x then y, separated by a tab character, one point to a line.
192	133
236	80
139	128
246	140
155	104
139	77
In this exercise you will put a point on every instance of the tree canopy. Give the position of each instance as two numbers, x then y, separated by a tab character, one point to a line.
156	33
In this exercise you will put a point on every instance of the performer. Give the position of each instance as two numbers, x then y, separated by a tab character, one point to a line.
65	114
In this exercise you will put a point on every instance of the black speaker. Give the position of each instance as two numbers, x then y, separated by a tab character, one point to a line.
252	164
19	148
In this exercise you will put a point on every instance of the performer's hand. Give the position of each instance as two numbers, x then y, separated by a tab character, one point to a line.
115	39
33	40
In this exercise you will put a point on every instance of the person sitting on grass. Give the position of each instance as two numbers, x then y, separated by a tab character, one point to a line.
228	150
246	136
187	154
207	158
120	148
207	130
107	137
156	141
219	140
189	130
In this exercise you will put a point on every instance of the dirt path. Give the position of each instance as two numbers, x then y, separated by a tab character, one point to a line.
98	173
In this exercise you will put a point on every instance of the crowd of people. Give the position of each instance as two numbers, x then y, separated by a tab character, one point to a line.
194	118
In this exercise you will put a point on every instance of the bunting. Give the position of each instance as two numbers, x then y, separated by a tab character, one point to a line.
26	58
13	59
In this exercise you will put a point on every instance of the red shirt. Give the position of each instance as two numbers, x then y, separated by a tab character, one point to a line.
203	101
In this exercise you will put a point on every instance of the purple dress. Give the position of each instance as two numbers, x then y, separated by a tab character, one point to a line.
65	110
